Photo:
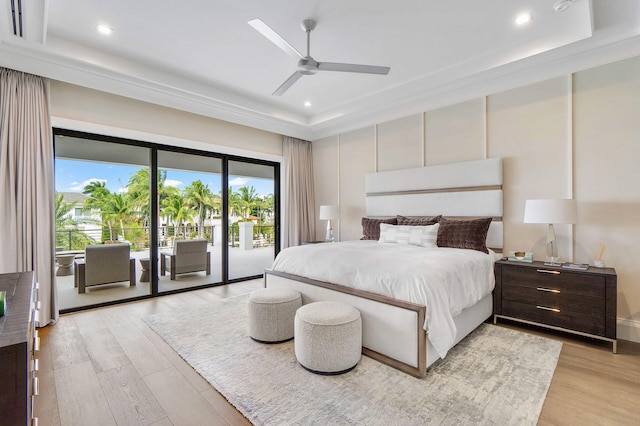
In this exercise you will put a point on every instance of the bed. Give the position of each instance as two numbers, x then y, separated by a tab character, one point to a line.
395	315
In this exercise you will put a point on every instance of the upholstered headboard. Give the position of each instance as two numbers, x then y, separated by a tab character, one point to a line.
466	189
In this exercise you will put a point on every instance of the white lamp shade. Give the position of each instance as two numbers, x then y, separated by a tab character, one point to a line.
550	211
329	212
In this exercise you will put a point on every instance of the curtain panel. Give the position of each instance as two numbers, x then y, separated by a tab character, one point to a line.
298	194
27	184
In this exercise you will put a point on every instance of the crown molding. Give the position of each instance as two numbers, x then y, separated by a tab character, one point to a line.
444	88
424	95
152	86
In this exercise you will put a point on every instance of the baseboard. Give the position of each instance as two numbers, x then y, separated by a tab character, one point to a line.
628	329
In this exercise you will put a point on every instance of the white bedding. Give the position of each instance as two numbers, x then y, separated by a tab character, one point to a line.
445	280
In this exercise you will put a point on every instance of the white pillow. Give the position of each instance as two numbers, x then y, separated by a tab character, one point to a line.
423	236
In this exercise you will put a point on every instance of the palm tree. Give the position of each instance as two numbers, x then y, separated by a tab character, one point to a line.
235	203
268	204
139	188
98	193
118	208
199	196
114	208
248	199
177	211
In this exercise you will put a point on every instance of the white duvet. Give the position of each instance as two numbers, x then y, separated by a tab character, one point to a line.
445	280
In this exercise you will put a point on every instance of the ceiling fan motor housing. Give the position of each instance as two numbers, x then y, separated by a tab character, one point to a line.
307	66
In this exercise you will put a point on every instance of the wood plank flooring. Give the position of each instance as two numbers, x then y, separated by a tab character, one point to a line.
106	367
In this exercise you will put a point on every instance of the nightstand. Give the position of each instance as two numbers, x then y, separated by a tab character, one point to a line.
579	302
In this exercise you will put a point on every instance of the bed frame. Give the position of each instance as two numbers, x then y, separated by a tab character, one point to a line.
392	329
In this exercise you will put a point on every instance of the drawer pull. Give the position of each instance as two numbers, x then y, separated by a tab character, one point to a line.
547	271
549	290
547	309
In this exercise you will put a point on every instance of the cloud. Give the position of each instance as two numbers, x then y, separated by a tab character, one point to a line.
238	181
173	182
75	186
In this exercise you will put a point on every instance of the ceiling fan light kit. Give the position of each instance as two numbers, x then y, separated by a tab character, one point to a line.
306	64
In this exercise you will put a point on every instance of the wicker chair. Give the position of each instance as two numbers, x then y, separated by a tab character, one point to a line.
188	256
104	264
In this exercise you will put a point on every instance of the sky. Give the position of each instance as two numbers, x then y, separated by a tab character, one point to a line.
73	176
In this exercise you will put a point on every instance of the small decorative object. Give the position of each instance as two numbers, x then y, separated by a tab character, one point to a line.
576	266
599	263
520	256
3	302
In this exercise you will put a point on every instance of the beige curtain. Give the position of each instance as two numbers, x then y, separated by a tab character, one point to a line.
27	183
298	195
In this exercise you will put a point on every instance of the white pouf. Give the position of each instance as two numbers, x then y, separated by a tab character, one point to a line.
270	314
328	337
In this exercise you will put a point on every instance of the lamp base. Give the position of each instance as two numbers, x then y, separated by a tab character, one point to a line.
329	235
552	246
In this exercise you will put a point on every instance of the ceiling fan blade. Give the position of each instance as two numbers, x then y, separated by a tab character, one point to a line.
275	38
366	69
287	84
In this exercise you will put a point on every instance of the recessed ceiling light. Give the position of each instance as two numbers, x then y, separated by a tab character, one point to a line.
104	29
307	104
524	18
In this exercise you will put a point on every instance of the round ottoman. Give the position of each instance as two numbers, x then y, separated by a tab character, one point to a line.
270	313
328	337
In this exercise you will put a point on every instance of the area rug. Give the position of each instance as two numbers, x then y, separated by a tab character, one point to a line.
495	376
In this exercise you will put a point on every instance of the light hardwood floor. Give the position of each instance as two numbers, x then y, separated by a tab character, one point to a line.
106	367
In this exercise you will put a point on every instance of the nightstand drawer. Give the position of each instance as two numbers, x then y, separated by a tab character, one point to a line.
553	298
555	317
554	279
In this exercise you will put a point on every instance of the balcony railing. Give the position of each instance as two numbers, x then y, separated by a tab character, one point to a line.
138	237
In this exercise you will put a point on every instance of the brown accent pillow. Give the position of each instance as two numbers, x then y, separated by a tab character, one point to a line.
465	234
371	227
418	221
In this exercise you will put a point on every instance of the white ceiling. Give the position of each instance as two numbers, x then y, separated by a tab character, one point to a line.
202	56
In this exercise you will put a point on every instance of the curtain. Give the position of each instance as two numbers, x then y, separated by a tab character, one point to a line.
27	184
298	195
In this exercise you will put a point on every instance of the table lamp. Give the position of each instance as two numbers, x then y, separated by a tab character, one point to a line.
550	211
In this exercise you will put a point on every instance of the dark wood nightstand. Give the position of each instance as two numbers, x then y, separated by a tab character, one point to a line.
579	302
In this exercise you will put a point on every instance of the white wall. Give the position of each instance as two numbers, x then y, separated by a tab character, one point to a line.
576	136
92	109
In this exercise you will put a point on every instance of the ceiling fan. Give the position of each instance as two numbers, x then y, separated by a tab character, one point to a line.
306	64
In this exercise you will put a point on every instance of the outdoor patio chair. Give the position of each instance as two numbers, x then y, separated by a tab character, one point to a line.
188	256
104	264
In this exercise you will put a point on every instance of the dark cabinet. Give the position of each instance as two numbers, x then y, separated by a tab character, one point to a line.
576	301
19	344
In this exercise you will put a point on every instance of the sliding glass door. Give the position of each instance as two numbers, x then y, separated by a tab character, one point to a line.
252	212
190	224
100	200
185	218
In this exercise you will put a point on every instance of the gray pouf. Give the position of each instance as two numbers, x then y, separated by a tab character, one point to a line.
328	337
270	314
